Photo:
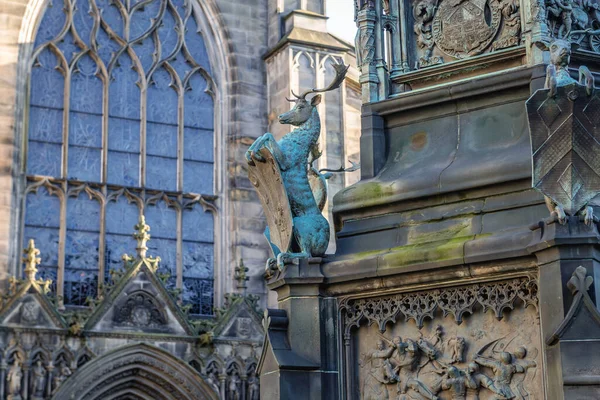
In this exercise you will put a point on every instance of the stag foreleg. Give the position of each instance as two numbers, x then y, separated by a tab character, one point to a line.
266	141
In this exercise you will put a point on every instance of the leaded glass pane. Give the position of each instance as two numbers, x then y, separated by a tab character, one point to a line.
68	47
44	159
197	225
86	87
198	106
42	209
143	18
84	164
168	34
161	173
197	260
123	168
45	124
162	220
83	20
199	293
124	95
197	177
54	20
195	44
121	216
81	249
198	145
47	82
42	223
111	15
162	98
161	140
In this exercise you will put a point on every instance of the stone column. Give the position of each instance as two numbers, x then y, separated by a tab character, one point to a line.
559	250
223	385
3	367
25	388
366	45
300	359
50	369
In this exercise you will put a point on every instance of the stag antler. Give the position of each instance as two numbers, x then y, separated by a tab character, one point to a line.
340	74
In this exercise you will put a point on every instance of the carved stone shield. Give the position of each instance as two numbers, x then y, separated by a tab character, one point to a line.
266	178
565	142
461	28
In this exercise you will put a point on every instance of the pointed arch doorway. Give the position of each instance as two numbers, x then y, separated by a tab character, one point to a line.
136	372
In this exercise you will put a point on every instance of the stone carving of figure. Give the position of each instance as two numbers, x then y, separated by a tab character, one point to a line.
476	380
561	10
213	382
234	387
253	387
518	382
379	374
457	348
63	373
504	369
455	383
39	379
406	364
423	13
15	374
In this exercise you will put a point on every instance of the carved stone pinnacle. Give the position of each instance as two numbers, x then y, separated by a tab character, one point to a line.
31	260
142	236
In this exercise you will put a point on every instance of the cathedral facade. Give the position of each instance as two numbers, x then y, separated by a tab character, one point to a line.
125	125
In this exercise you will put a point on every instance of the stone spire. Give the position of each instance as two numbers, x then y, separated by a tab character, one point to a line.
142	236
31	261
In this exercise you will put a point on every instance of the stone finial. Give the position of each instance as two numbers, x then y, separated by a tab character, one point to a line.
142	236
31	261
580	282
241	276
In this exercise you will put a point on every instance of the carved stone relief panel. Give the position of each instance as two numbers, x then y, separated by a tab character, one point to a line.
455	29
472	342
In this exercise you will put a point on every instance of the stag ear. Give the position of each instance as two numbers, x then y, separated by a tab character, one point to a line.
315	101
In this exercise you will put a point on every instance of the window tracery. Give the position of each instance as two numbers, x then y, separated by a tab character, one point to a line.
121	122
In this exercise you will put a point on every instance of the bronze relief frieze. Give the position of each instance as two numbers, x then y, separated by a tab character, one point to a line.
479	341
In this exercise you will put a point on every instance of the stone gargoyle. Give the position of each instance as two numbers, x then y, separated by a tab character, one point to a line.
565	137
282	171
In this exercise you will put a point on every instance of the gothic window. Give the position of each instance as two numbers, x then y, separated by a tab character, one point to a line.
120	123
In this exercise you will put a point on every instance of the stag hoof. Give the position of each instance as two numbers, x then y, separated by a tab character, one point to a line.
249	158
256	156
588	215
560	215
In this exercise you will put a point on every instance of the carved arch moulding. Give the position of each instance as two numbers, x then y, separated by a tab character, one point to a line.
451	343
146	368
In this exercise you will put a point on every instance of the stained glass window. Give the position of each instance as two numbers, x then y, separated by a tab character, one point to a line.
121	122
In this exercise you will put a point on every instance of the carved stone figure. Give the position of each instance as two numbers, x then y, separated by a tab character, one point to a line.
62	375
476	381
253	387
560	176
309	236
39	379
234	387
455	383
561	11
511	29
13	379
457	347
379	373
518	384
423	13
503	369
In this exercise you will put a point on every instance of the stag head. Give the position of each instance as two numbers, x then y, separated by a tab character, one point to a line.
302	110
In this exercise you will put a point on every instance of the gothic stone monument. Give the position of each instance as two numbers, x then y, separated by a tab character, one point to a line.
467	255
